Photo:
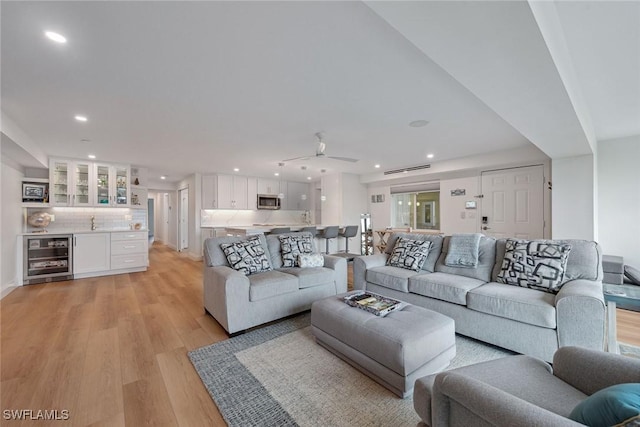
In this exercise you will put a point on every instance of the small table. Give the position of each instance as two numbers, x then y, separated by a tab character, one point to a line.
623	296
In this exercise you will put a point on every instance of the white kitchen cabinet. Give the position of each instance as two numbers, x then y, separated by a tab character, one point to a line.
252	193
112	184
91	253
70	183
129	249
297	196
268	186
232	192
209	192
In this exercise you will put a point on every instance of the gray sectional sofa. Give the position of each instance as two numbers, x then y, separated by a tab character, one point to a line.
238	301
524	320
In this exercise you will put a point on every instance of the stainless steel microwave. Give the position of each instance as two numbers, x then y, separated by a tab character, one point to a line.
268	201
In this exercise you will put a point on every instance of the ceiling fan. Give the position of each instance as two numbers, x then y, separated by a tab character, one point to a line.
320	153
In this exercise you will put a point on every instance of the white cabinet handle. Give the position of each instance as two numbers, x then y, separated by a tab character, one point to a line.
128	260
130	247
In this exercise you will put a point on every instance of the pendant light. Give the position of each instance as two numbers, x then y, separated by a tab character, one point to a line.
303	196
281	194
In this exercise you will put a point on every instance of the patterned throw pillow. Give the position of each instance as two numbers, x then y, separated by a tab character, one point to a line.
292	246
310	260
409	254
248	257
534	264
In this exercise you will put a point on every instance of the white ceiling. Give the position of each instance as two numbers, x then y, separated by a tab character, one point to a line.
184	87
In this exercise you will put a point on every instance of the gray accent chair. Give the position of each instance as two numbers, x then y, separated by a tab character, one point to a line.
524	320
520	390
240	302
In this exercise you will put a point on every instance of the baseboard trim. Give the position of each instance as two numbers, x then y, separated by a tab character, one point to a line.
6	291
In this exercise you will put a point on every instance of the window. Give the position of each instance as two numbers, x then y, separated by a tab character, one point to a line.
419	210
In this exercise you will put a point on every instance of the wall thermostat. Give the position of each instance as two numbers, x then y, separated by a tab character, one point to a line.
470	205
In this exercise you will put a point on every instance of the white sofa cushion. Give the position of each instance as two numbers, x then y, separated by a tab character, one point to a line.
270	284
392	277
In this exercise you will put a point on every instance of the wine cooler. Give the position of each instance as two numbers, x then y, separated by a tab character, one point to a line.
47	258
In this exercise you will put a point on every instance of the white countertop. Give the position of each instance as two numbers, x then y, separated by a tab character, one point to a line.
99	230
266	228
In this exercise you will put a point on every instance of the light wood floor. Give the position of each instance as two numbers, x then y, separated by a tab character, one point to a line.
113	350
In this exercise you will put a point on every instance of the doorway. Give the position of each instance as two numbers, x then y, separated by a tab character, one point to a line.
151	220
513	203
183	219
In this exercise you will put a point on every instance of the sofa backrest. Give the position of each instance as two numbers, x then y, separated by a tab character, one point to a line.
584	260
275	249
486	260
213	254
434	252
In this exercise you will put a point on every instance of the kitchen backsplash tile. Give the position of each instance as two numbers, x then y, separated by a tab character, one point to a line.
79	219
221	217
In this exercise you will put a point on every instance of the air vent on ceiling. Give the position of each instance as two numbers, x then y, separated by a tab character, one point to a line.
409	169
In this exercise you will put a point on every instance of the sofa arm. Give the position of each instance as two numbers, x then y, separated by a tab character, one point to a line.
226	294
580	314
490	404
592	370
338	264
360	266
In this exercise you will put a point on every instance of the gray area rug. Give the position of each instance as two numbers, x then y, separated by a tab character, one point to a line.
278	376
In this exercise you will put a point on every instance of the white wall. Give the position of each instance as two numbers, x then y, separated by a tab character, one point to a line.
573	198
619	198
11	221
454	218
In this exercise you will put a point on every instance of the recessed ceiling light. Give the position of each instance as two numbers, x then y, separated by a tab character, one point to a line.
418	123
377	166
236	170
163	177
91	156
277	174
58	38
429	156
81	118
309	178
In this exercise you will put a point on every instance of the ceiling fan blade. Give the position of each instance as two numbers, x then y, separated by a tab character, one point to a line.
344	159
297	158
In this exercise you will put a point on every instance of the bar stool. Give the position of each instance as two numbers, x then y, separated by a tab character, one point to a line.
348	232
312	230
330	232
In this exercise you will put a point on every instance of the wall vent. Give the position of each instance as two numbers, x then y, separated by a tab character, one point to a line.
408	169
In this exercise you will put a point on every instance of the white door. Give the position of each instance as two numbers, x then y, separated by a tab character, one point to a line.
165	218
513	203
184	219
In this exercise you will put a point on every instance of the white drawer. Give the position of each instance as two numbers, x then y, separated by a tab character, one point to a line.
129	235
128	261
121	247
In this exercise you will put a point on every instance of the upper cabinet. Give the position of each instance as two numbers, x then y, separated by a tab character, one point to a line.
232	192
268	186
79	183
209	192
112	185
70	183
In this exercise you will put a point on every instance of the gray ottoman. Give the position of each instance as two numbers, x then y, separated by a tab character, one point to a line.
393	350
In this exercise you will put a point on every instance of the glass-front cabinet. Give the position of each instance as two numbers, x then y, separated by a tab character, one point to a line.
122	185
70	183
103	181
112	185
80	183
59	183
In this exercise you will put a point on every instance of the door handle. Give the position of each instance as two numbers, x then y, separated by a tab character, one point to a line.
486	228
